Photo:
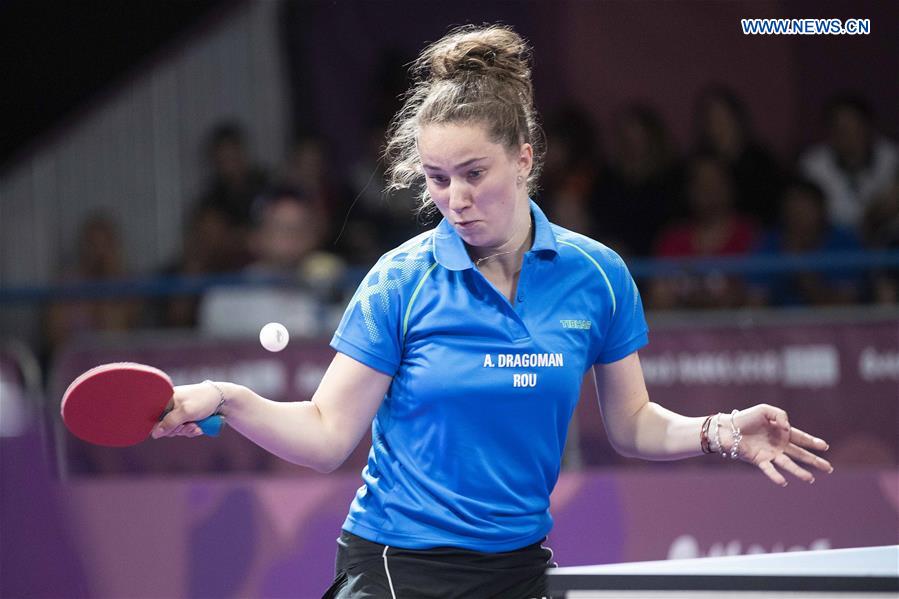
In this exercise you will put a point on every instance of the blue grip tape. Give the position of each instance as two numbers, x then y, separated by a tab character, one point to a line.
211	425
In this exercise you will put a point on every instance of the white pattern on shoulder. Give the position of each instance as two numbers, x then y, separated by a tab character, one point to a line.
396	269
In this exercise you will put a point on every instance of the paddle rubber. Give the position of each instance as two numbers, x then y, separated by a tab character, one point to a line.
118	404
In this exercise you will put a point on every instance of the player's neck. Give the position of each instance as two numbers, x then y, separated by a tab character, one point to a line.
505	263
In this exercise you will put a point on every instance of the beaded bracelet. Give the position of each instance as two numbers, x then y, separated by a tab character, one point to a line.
738	436
218	408
715	445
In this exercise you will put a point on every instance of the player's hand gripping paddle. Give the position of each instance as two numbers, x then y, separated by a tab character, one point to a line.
119	404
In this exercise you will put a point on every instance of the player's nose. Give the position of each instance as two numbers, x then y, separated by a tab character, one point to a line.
459	196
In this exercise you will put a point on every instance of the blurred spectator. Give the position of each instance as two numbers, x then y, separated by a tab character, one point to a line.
854	165
208	248
723	128
639	193
307	168
100	257
714	228
881	232
284	241
803	228
235	180
570	170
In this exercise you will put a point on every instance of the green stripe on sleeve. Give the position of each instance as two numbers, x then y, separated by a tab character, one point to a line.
598	267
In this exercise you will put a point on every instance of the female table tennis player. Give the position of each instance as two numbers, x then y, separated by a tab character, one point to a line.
464	349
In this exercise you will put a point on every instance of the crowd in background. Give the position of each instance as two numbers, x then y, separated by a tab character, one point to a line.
729	195
309	221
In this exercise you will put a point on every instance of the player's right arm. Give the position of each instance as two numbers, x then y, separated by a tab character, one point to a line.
319	434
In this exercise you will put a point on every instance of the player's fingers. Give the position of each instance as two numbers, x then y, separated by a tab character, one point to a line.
166	427
777	416
807	457
188	429
803	439
772	473
783	461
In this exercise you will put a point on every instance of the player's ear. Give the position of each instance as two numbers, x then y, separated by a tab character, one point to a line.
525	160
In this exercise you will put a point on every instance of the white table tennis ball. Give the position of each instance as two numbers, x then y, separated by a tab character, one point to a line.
274	336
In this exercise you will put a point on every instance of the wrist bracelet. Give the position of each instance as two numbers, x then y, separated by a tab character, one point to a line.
218	408
715	444
738	436
704	436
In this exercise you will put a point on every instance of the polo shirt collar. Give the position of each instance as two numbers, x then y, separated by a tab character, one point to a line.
449	249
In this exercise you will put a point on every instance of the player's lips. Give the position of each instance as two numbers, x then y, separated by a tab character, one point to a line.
465	224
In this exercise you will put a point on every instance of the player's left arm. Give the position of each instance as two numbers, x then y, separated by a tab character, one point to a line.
638	427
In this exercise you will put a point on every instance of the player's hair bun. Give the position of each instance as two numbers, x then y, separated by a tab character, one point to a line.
486	51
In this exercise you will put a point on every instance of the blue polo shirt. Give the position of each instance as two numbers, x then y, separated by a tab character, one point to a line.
467	444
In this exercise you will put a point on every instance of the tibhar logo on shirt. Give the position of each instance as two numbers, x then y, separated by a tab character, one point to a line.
525	379
576	324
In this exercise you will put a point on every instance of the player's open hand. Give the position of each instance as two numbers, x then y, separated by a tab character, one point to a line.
769	442
189	404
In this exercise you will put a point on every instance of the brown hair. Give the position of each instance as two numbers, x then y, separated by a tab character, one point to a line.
471	75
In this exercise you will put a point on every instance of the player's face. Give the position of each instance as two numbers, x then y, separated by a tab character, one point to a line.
479	186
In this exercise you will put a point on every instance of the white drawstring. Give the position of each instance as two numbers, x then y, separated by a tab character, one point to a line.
387	570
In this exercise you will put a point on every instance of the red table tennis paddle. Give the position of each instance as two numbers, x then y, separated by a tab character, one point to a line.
119	404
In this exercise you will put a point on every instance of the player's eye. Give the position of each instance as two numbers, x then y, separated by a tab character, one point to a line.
439	179
476	174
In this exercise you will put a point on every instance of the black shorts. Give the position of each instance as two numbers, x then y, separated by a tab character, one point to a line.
367	570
